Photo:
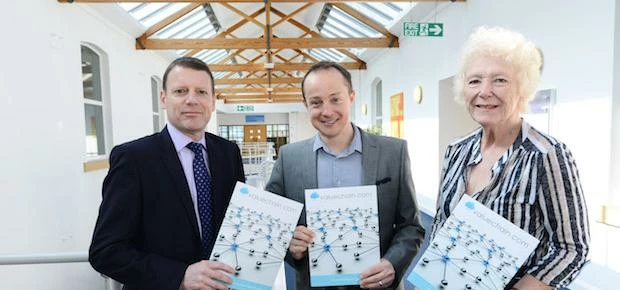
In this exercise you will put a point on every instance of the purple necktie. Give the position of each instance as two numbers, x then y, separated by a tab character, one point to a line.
203	196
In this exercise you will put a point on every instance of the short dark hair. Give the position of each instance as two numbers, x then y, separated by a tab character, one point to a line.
189	62
325	65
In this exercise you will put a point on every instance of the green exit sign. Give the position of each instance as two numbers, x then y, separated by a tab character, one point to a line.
245	108
423	29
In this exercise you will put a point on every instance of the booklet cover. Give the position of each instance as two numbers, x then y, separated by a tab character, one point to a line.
346	225
475	249
255	235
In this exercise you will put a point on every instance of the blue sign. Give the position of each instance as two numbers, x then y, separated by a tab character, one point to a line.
255	118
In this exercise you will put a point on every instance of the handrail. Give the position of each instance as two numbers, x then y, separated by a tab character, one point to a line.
54	258
44	258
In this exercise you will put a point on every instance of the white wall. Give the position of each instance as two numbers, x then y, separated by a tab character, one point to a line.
47	202
614	170
454	119
299	126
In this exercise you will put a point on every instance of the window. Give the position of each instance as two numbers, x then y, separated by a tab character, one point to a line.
157	112
232	133
278	135
96	110
222	131
377	106
277	131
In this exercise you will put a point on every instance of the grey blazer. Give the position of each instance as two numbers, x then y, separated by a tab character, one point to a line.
383	159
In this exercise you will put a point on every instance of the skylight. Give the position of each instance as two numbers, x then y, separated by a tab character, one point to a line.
198	23
336	23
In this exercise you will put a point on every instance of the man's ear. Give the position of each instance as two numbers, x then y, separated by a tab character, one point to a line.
162	99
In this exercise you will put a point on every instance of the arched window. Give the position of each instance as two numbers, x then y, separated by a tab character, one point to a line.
96	108
158	119
377	103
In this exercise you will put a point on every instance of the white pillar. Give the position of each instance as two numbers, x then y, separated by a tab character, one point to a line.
614	165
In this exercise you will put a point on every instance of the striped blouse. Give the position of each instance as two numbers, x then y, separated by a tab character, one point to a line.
535	185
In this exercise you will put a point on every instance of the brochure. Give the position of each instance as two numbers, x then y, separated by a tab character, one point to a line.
475	249
346	223
255	235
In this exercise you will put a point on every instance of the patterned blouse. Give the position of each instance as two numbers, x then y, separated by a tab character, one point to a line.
535	185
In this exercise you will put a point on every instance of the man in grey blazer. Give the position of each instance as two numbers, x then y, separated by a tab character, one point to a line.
341	154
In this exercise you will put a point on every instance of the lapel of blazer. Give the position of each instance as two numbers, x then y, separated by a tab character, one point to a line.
173	165
309	166
370	158
217	162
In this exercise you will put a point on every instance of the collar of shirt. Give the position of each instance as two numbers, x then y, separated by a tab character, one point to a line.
356	144
476	150
181	140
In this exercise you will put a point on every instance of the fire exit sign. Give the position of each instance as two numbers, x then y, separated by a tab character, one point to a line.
423	29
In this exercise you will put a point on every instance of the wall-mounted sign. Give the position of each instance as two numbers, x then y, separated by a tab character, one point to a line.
245	108
255	118
423	29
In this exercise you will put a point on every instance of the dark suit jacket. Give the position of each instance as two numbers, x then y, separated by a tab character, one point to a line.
147	233
383	158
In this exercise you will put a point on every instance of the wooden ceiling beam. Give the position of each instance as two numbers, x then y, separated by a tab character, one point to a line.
228	31
232	73
292	14
316	34
258	81
243	15
268	32
230	56
260	96
254	43
277	66
256	90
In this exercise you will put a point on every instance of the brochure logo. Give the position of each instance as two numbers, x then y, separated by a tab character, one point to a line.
469	205
314	195
244	190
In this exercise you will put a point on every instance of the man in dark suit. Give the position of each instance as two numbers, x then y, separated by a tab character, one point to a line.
341	154
165	195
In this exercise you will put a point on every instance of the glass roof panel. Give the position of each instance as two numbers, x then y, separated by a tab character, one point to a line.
198	23
334	22
385	13
160	14
129	6
345	19
335	30
182	23
193	27
144	10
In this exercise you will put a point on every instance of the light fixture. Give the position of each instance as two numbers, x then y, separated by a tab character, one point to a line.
365	109
418	94
269	65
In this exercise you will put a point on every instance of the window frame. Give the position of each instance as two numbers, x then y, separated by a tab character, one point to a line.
104	103
156	110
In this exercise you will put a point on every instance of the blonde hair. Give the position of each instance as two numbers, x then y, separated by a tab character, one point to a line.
512	47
